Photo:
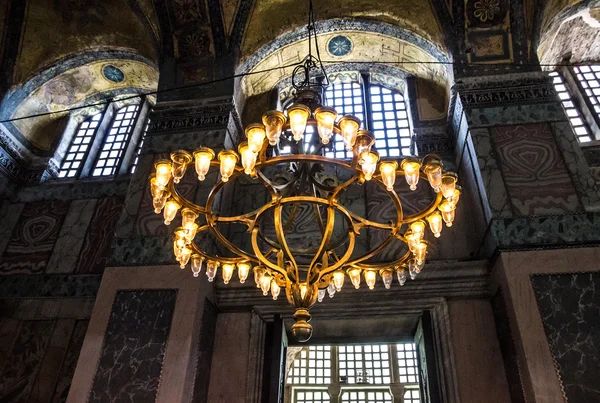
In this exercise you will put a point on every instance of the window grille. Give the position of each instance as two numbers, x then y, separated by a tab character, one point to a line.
391	127
79	148
408	368
116	141
589	78
138	151
346	99
367	396
579	126
311	396
365	364
312	366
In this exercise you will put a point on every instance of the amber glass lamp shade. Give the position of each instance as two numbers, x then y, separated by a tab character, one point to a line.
202	158
325	118
273	122
298	115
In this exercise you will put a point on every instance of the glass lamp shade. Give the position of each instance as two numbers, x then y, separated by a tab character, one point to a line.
370	278
448	184
256	136
243	271
364	142
180	159
418	228
170	211
369	163
228	159
401	273
321	295
180	238
388	174
421	252
456	196
298	115
412	269
448	211
184	256
197	261
259	272
275	290
188	217
156	190
190	232
432	167
248	157
331	289
158	204
338	280
435	223
227	272
265	283
211	270
354	275
387	276
273	122
202	158
163	173
349	126
325	118
411	168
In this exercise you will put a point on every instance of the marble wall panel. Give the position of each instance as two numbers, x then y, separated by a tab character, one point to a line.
96	246
33	238
10	215
569	305
205	353
142	251
71	238
24	360
73	190
134	346
70	361
586	186
56	286
533	169
515	114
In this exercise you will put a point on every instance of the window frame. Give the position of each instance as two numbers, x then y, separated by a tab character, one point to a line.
92	155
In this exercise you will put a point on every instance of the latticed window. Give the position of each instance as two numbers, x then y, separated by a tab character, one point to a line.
364	372
382	111
80	146
101	142
579	125
116	141
589	79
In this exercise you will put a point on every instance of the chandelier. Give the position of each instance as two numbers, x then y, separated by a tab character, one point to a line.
303	178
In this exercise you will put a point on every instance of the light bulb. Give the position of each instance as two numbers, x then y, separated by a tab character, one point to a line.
275	290
243	271
418	228
387	276
163	173
331	289
325	118
364	142
170	211
411	168
388	174
158	204
197	261
401	273
256	136
369	163
184	256
321	295
355	277
370	278
265	283
432	167
273	121
303	290
259	272
180	159
420	252
298	115
227	272
448	212
456	196
211	270
448	184
156	190
248	157
202	157
228	159
338	280
435	223
349	127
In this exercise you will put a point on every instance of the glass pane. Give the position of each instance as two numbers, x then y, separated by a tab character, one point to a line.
579	126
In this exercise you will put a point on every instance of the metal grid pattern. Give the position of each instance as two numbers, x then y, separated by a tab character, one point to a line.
589	78
346	99
311	396
116	141
412	396
579	126
391	127
408	368
367	396
364	364
311	367
80	145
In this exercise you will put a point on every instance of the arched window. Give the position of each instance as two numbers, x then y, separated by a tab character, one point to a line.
364	373
106	143
383	111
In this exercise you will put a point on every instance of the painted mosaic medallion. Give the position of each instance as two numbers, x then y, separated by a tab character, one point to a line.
113	73
339	45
